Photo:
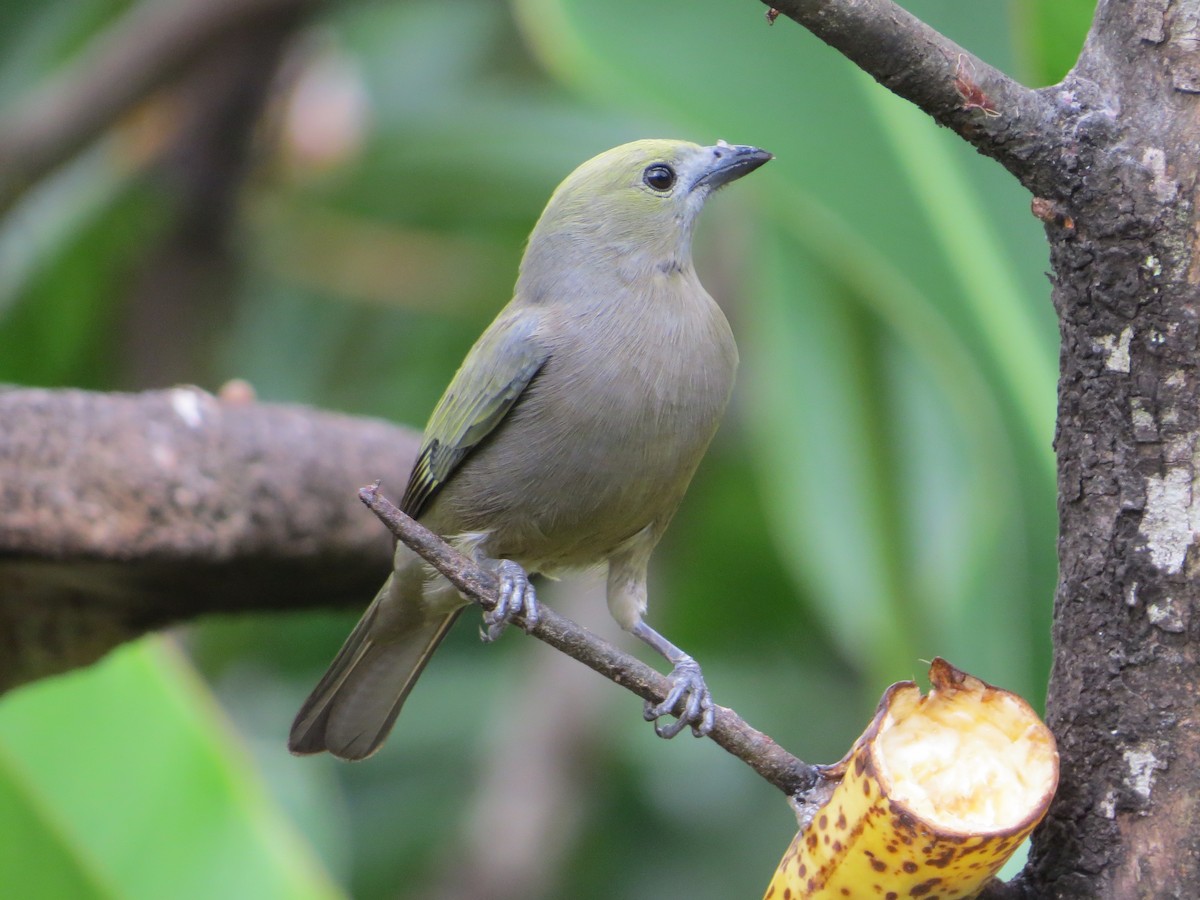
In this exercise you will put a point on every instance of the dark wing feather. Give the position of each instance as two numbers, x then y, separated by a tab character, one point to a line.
496	371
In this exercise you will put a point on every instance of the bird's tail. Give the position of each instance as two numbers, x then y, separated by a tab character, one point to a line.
352	709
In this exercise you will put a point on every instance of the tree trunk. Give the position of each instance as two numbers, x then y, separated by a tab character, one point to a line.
1123	694
1111	157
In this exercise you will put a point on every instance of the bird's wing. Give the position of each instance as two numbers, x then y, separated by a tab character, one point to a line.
497	369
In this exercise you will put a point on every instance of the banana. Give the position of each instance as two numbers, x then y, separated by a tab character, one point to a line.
931	800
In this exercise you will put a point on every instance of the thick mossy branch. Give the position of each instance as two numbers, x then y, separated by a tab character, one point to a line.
121	513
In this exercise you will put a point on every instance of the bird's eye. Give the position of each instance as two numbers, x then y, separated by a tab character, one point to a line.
659	176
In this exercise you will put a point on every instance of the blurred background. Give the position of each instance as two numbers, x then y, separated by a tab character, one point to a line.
331	203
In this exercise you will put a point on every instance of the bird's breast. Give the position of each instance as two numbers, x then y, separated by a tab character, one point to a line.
606	438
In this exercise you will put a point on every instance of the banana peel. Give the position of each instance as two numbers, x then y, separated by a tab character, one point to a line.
931	800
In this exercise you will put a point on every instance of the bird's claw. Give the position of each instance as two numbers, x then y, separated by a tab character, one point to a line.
515	597
687	683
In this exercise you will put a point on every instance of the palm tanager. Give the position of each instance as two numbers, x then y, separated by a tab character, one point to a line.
566	439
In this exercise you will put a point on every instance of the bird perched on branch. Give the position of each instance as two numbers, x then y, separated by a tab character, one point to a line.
566	439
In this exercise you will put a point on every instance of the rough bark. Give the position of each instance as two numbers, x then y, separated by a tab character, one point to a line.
1112	156
1123	693
121	513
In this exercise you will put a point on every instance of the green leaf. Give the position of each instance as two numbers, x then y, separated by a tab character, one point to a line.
147	787
66	252
1050	36
1004	323
39	858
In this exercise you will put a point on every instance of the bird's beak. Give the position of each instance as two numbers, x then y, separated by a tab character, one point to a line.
730	162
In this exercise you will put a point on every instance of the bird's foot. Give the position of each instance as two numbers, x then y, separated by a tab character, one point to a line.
516	597
687	684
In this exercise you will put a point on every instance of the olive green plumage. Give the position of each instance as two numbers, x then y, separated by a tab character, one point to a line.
569	434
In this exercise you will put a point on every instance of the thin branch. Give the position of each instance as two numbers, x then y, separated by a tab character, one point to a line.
1002	118
730	731
148	47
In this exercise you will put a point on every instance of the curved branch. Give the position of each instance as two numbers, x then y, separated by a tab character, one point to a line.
1003	119
791	775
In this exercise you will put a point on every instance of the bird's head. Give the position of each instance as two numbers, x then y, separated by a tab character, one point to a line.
633	208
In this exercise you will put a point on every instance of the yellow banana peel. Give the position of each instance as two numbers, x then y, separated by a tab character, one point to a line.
931	801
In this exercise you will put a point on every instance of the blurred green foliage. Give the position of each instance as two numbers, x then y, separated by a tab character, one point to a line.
881	493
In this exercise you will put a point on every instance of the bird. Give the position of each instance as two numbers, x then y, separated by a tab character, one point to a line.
566	439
